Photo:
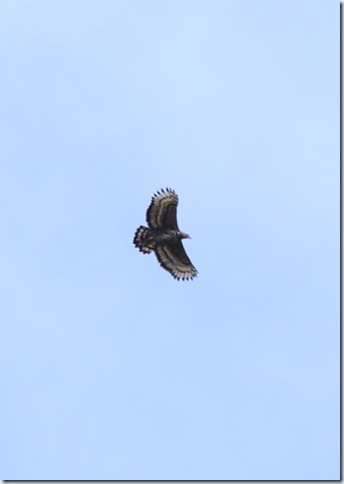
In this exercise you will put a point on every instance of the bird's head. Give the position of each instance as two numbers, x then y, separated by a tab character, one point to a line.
183	235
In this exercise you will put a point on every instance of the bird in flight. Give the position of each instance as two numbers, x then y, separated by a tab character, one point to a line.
164	237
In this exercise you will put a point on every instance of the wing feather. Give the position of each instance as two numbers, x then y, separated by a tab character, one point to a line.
174	259
162	212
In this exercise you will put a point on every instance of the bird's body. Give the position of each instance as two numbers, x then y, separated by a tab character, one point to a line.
147	239
164	237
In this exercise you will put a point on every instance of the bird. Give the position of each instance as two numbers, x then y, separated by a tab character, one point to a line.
163	237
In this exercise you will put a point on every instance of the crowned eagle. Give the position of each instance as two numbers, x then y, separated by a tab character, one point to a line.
164	237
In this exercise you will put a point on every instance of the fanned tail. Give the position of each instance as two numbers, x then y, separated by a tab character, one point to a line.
143	240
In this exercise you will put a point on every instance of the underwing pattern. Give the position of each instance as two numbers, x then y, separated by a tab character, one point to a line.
163	237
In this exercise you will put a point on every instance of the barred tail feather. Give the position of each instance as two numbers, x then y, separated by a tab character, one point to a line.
143	240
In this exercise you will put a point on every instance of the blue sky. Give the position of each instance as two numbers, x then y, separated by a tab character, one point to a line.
111	368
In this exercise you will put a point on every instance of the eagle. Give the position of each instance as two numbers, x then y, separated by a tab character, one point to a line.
164	237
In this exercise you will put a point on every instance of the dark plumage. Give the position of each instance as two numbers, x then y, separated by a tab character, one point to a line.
164	237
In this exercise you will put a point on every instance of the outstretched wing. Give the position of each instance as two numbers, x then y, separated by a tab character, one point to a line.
174	259
162	212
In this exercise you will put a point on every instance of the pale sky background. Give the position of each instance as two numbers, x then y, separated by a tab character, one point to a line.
111	369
